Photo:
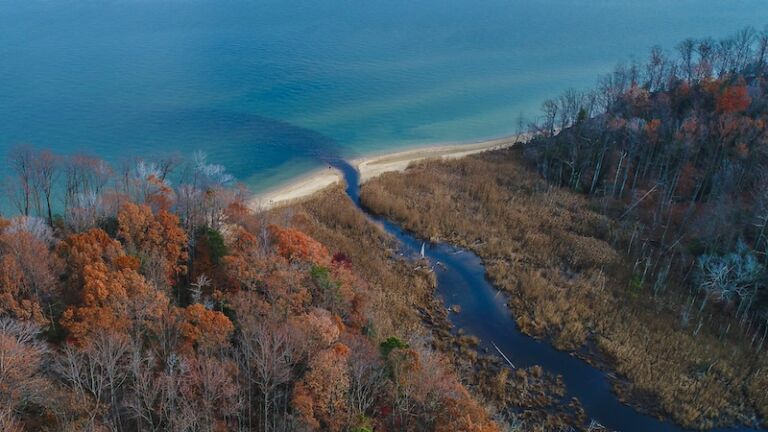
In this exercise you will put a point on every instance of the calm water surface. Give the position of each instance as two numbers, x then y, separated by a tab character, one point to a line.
265	87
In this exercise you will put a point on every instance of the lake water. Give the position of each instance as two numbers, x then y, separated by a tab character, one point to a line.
265	87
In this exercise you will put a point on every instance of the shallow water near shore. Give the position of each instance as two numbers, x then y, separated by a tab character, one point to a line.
267	87
461	281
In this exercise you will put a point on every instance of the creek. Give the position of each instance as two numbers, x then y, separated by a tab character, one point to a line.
461	281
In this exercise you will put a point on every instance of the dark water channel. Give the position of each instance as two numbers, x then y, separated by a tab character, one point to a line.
461	281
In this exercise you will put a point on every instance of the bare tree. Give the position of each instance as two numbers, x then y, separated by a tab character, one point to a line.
656	69
743	43
22	358
706	51
97	373
85	176
20	160
367	376
268	353
731	276
762	50
686	50
725	56
45	167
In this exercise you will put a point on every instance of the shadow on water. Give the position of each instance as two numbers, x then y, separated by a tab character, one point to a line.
248	144
461	280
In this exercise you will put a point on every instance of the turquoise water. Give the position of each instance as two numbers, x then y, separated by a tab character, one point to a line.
265	87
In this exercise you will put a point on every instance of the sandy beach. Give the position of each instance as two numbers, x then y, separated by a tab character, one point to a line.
374	166
297	189
370	167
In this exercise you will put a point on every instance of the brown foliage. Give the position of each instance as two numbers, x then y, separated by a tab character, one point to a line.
321	397
548	250
112	301
295	245
157	238
203	328
393	290
27	275
105	290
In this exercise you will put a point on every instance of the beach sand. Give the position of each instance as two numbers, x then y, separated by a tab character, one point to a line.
374	166
297	189
370	167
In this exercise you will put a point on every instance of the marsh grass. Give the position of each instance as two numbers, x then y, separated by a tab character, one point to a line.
561	262
406	305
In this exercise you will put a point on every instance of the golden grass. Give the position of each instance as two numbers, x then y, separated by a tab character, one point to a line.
555	256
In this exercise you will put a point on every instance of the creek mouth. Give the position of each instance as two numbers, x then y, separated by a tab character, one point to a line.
461	281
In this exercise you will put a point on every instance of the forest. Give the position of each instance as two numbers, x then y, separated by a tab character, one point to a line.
676	151
149	298
631	228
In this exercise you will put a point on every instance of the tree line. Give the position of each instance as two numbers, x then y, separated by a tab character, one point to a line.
676	150
150	298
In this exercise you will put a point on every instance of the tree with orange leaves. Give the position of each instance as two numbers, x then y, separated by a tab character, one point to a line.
92	246
157	239
464	414
295	245
204	328
112	300
244	261
733	99
321	397
13	302
105	290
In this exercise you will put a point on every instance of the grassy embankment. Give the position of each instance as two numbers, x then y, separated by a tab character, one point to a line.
567	280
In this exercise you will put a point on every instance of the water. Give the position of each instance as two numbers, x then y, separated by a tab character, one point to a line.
270	88
461	281
265	86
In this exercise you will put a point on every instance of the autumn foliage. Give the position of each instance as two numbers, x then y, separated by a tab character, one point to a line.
106	291
203	328
156	238
295	245
161	316
733	99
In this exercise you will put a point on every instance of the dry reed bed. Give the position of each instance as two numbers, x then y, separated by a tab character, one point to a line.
556	258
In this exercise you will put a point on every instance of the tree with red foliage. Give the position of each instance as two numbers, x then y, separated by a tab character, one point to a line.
295	245
733	99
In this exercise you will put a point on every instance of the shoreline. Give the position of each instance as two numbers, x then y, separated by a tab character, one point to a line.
370	167
296	189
